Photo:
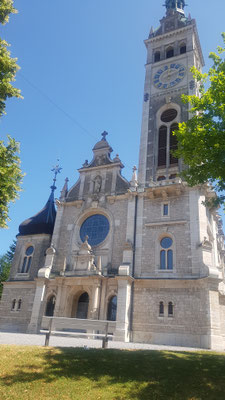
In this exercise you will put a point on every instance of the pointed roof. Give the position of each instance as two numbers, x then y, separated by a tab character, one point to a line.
42	222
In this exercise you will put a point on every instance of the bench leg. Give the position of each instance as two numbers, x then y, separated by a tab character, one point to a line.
47	337
105	343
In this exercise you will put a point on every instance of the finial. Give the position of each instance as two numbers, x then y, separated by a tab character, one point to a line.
86	238
134	182
57	169
104	134
64	190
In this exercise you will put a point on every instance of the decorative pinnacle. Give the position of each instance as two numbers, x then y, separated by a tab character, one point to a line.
104	134
57	169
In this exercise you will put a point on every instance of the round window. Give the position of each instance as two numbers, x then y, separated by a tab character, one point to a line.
29	251
96	227
166	242
169	115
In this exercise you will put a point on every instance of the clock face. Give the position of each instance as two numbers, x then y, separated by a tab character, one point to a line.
169	76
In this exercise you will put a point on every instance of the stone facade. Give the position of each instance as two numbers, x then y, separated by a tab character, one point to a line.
154	259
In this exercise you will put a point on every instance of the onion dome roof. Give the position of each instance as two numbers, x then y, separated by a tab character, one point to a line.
42	222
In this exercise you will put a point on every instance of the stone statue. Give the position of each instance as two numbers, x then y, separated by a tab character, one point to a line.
97	184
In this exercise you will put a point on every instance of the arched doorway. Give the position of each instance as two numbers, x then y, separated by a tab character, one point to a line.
112	308
82	306
50	306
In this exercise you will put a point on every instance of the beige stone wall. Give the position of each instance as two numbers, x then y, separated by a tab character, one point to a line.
190	324
68	239
16	320
40	243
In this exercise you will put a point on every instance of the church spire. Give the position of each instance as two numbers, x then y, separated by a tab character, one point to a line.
175	5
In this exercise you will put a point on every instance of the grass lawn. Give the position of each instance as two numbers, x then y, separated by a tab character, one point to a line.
36	373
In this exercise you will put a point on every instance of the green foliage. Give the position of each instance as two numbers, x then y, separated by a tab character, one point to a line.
201	140
8	68
6	8
5	265
10	172
10	177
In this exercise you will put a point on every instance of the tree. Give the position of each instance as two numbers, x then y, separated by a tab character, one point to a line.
5	265
10	172
201	140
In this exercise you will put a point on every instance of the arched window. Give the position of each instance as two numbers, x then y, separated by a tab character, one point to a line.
183	48
161	178
166	254
169	115
162	146
157	56
170	52
13	305
170	309
161	308
50	306
19	305
27	260
112	308
82	306
173	144
167	141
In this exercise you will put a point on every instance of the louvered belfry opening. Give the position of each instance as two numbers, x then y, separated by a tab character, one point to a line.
162	146
173	144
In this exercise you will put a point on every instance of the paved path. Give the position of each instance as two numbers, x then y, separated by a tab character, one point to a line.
59	341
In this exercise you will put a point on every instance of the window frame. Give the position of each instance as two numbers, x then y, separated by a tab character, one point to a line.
163	204
170	315
158	53
168	168
169	48
26	261
158	249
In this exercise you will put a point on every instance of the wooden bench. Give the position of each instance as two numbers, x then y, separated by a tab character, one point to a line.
70	326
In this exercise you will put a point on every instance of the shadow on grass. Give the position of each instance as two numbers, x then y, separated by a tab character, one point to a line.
145	374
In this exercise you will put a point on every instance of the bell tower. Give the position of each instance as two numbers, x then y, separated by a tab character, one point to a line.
172	50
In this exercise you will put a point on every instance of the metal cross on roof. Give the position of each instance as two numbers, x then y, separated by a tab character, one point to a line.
104	134
56	169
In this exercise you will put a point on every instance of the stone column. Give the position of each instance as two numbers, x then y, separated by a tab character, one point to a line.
96	301
37	310
123	309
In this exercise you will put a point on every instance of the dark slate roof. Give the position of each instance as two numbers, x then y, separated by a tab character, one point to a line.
102	144
42	222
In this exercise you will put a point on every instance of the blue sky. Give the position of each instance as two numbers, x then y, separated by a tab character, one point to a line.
82	72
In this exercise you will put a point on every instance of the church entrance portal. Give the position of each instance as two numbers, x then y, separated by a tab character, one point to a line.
82	306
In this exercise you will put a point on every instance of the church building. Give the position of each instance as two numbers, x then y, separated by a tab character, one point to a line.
146	254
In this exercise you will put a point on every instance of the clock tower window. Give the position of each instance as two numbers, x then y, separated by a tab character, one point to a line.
162	146
183	48
167	142
157	56
170	52
173	144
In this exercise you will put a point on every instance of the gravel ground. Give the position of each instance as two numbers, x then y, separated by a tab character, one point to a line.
60	341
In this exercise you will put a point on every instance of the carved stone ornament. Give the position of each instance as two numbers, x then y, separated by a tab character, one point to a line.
97	184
